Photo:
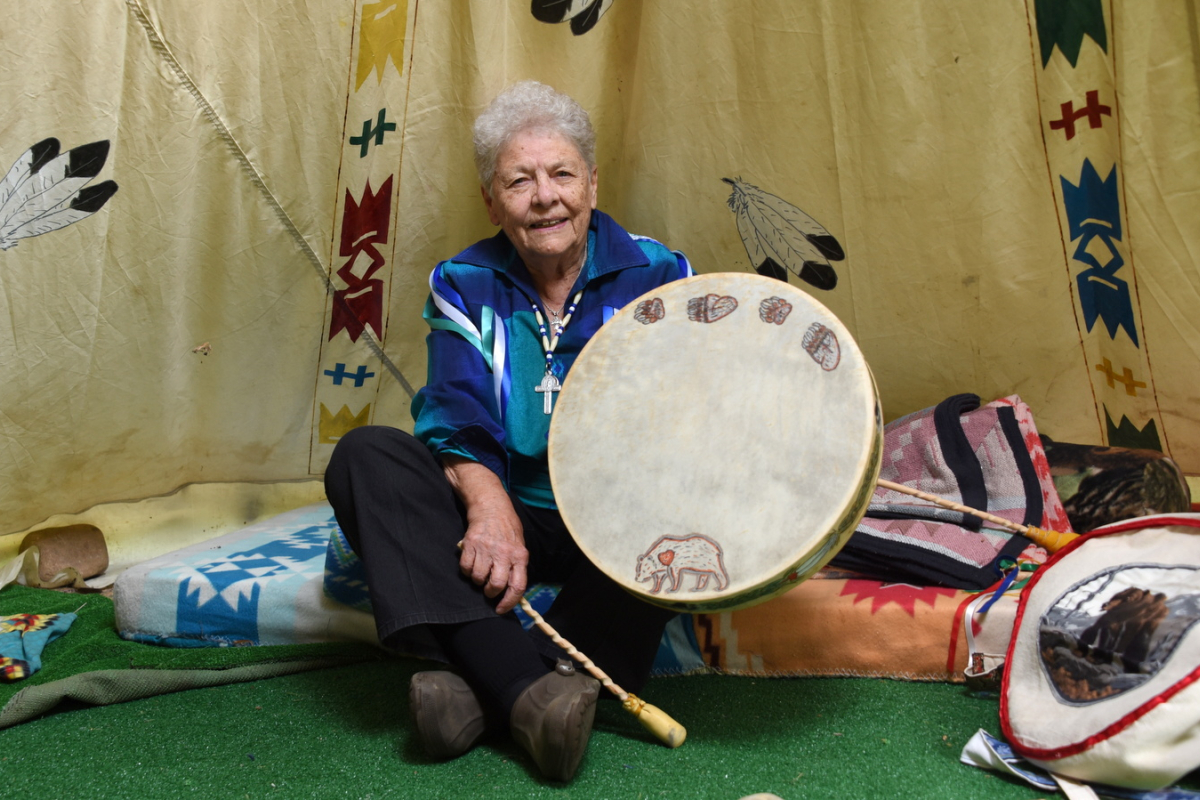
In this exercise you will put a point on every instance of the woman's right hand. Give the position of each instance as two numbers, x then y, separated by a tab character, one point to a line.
493	548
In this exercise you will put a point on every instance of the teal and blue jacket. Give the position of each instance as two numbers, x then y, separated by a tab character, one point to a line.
486	356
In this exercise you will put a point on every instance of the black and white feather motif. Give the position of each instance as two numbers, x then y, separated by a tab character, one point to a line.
583	14
780	237
46	190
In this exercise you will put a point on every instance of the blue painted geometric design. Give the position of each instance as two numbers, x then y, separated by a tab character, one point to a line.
1094	213
358	376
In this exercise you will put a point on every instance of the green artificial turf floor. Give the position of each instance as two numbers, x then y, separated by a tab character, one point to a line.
344	732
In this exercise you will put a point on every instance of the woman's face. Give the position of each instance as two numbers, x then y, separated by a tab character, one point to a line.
542	196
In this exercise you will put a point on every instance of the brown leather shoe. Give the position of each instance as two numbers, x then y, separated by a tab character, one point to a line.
552	720
449	717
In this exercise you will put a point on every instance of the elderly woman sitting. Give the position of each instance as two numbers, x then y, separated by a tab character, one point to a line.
508	317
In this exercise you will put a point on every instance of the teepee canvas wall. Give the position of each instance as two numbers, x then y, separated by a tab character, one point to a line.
220	217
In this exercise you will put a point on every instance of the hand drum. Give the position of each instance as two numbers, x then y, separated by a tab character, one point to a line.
716	442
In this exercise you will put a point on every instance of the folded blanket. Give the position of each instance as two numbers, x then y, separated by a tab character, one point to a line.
988	458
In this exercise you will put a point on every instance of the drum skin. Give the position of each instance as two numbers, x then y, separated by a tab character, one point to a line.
716	442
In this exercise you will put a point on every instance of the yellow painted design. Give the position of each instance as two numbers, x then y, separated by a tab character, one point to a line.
382	37
335	426
1126	378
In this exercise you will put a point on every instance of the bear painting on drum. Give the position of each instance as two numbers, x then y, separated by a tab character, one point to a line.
696	554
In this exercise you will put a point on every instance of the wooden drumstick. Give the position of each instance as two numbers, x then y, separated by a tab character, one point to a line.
1051	540
653	718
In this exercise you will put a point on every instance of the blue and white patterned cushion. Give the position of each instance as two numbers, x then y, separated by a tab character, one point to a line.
263	584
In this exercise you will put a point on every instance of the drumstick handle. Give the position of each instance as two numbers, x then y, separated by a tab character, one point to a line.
653	718
1051	540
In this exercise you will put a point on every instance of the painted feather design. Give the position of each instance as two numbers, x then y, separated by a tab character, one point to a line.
46	190
583	14
780	237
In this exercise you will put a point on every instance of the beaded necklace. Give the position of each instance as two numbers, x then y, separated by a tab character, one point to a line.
550	384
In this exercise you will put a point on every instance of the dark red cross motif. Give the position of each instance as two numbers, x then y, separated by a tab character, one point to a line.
1093	111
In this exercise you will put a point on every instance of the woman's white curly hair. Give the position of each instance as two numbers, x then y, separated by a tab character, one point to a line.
524	106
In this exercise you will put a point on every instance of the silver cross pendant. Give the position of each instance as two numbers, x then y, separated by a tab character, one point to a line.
547	388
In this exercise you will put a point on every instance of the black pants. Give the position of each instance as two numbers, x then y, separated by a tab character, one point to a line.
394	504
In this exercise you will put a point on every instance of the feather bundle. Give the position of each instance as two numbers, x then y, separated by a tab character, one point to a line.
45	190
583	14
777	235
